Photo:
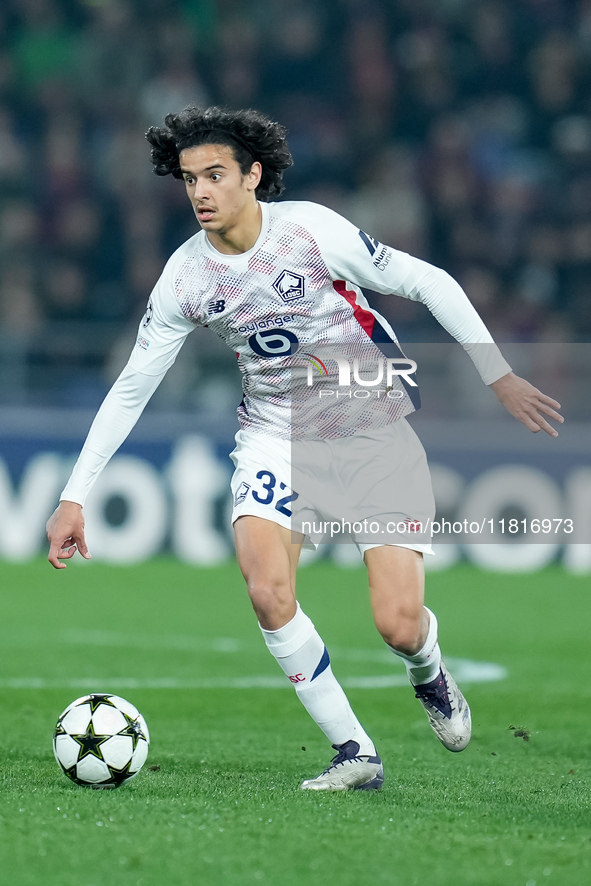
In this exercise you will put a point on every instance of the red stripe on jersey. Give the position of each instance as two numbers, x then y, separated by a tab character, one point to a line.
365	318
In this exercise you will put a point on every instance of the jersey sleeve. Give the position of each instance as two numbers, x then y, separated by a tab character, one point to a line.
161	334
113	423
356	257
163	328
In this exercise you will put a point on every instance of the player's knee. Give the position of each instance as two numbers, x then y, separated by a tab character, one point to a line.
272	599
404	634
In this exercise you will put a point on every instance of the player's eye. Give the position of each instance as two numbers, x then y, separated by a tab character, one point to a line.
189	180
215	176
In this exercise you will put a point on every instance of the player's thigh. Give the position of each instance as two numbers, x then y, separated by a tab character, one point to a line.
397	592
268	558
261	480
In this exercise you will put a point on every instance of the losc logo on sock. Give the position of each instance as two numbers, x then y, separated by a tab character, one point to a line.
298	678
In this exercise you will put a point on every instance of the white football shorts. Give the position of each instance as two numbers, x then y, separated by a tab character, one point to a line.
371	489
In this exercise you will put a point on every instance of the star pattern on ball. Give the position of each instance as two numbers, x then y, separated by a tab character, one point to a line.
120	760
90	743
98	699
132	729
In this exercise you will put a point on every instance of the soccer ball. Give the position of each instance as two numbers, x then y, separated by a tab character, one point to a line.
100	741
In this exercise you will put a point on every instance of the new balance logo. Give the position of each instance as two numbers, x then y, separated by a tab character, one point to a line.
216	307
413	525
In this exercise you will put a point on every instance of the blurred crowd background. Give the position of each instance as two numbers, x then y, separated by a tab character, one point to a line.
457	130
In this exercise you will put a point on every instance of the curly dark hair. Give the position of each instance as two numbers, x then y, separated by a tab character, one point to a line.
251	135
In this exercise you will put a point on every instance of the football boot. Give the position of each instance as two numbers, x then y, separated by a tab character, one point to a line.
348	771
447	710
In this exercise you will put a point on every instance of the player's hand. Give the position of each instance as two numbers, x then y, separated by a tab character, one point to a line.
527	404
65	531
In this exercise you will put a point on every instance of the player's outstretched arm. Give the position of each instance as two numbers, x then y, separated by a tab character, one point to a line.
65	531
527	404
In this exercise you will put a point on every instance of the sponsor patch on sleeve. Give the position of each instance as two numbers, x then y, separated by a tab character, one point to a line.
380	254
143	342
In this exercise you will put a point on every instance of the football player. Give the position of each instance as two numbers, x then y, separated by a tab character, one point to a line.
276	280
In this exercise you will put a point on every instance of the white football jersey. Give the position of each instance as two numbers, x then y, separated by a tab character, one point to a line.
287	308
290	308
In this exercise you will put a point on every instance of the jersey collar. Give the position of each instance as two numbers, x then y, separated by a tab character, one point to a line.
242	257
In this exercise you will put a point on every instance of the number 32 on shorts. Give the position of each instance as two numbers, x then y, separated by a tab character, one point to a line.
266	494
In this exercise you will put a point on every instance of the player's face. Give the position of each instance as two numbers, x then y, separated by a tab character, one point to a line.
221	196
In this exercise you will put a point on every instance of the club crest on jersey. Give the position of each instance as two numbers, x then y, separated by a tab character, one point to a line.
289	286
241	493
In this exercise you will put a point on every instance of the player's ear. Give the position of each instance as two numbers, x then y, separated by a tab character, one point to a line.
254	176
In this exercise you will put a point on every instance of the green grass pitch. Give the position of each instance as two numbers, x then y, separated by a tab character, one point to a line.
218	801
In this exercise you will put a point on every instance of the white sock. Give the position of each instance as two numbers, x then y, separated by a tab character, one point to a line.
424	666
303	657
